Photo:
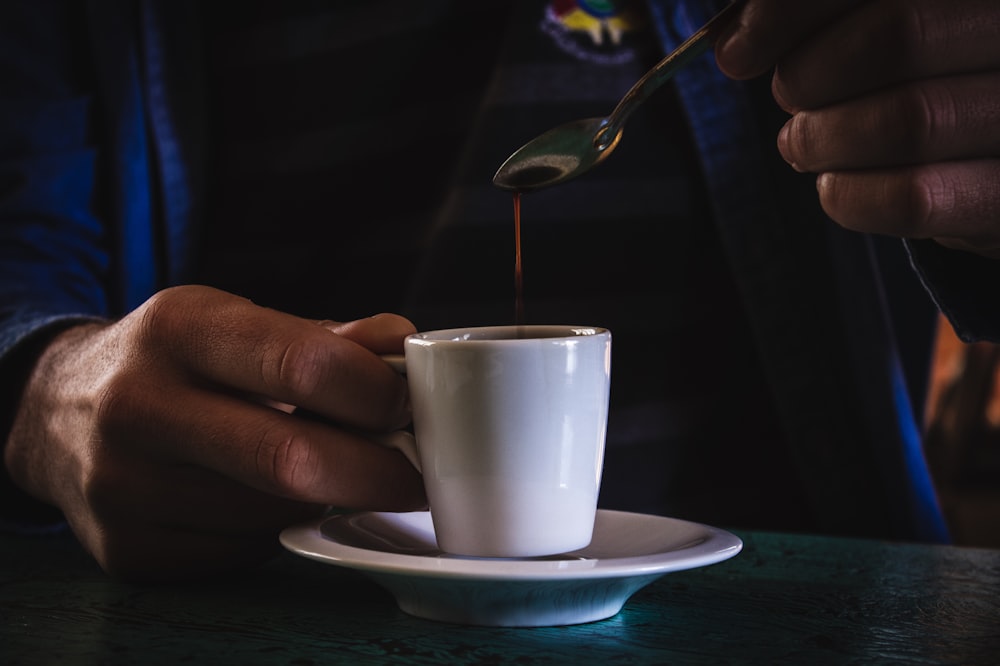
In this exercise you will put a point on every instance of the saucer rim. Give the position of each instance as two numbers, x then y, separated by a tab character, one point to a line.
709	545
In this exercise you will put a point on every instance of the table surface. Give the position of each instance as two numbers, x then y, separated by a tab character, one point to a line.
785	598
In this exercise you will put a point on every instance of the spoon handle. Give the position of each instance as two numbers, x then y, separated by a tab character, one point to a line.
664	70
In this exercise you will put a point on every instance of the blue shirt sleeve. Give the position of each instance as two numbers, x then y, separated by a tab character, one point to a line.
54	245
54	254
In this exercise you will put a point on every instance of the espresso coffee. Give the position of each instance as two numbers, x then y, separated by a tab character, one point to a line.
518	269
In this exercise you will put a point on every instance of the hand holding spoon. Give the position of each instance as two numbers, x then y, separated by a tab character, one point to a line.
567	151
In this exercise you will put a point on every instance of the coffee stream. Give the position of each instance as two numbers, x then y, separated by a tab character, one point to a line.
518	272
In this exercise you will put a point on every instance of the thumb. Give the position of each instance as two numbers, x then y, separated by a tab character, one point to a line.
381	333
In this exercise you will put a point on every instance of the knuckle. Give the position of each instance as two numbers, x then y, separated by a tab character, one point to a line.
113	397
916	195
165	321
299	366
907	29
916	119
286	464
159	312
119	404
113	403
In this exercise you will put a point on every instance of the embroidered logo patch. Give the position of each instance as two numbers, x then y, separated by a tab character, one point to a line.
592	30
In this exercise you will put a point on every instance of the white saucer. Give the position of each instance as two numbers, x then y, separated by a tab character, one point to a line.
398	551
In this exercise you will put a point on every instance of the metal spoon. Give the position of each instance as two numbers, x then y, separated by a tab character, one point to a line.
570	150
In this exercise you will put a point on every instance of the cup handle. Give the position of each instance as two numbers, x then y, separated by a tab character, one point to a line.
401	440
404	442
396	361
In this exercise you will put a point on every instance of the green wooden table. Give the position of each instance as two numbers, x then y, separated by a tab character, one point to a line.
784	599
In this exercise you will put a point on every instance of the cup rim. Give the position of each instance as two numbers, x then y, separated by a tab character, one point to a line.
509	333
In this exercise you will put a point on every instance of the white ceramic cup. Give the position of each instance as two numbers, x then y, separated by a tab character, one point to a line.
510	424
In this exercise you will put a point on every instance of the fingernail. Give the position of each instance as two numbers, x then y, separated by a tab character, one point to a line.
824	181
785	147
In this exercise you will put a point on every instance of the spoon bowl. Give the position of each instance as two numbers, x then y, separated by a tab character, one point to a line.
558	155
570	150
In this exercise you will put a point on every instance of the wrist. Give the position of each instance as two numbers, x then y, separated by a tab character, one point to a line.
25	369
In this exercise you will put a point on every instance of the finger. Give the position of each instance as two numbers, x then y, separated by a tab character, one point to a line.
884	43
230	341
931	121
270	450
951	200
767	29
382	333
189	499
